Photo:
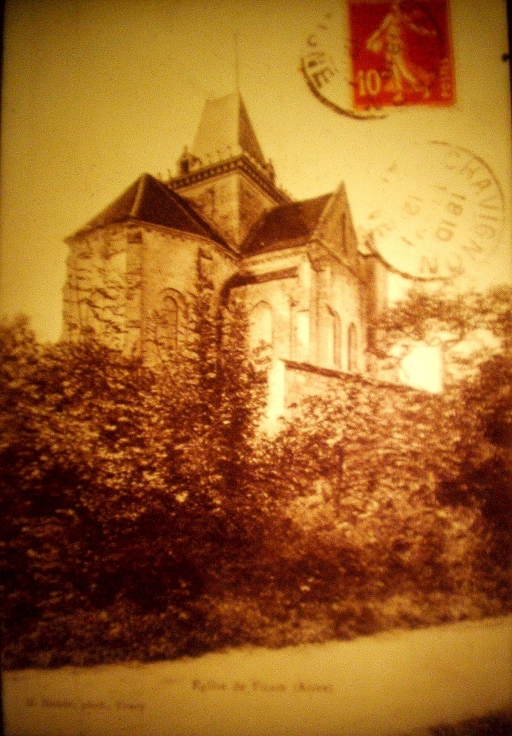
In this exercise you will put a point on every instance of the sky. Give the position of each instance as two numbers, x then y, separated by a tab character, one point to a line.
96	92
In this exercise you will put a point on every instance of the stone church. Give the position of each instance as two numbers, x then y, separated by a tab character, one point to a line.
309	287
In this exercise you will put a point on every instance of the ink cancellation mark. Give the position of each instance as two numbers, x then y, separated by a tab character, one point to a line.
401	53
389	54
439	212
324	65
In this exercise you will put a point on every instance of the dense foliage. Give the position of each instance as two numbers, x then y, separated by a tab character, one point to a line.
144	515
474	334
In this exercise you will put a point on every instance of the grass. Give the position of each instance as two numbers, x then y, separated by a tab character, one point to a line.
123	633
494	724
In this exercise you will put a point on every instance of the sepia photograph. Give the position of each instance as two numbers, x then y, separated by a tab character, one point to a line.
256	368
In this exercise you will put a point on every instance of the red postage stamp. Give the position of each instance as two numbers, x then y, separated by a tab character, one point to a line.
401	53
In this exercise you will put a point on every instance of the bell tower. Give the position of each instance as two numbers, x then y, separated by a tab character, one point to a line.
225	174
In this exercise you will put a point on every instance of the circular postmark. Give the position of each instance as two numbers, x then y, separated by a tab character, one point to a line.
325	65
381	54
437	212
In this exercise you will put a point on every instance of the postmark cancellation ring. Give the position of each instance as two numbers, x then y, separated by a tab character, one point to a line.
438	212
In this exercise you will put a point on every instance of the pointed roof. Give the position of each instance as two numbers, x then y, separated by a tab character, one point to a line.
225	130
148	200
287	225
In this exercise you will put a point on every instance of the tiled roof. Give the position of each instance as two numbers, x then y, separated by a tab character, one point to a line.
225	130
286	225
148	200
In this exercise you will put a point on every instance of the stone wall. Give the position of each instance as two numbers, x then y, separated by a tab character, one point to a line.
302	380
290	382
121	280
230	201
94	292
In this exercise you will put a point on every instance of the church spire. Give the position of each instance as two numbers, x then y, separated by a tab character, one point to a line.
225	130
224	174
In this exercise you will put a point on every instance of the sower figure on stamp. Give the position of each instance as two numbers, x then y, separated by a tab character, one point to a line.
389	40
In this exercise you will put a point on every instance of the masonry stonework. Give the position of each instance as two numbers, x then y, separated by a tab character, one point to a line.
310	289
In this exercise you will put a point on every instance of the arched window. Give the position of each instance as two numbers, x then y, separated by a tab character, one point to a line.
336	336
352	348
261	326
300	337
333	338
170	318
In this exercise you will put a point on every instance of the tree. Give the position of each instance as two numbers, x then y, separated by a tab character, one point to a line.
467	327
219	396
74	471
124	482
474	332
392	490
374	454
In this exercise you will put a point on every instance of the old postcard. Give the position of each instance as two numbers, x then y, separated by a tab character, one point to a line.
256	291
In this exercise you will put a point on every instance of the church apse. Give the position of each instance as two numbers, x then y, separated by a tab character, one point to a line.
309	288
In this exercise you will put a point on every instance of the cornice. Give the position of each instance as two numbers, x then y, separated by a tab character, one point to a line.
245	279
354	377
272	256
128	227
241	163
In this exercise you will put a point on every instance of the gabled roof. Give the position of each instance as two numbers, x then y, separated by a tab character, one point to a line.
148	200
225	130
284	226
